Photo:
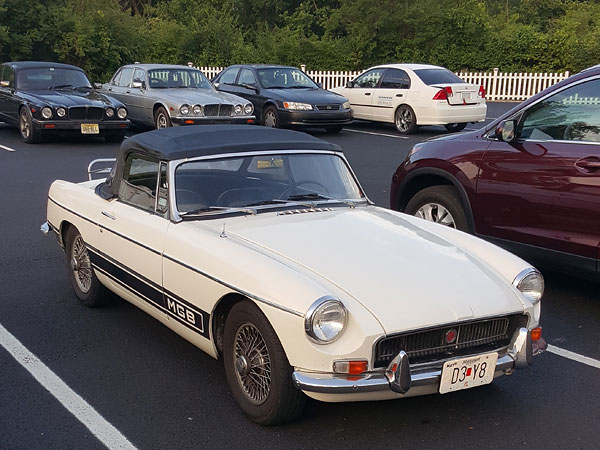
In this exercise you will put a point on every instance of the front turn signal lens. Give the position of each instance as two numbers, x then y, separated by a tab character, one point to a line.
350	367
536	334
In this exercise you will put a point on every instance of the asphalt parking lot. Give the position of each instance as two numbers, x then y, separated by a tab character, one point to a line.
143	386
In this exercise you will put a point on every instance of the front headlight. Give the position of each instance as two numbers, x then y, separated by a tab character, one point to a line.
110	112
237	110
61	112
248	109
197	109
184	109
46	112
346	105
295	106
531	284
122	113
325	320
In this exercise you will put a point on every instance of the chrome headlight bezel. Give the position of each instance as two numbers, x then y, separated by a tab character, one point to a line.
46	112
530	282
248	109
184	109
197	110
109	112
122	113
316	310
297	106
61	112
238	110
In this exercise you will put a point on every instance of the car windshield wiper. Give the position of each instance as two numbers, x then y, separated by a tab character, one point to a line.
83	87
278	87
60	86
208	209
310	196
301	87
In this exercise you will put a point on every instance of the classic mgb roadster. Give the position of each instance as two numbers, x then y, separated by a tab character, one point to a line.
260	247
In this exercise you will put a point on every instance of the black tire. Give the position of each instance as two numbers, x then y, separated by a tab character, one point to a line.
162	118
78	264
114	137
334	130
29	133
434	197
271	117
405	120
454	127
281	402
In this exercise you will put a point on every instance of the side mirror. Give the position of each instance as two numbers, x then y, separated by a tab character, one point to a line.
138	84
97	85
252	86
216	85
350	84
507	131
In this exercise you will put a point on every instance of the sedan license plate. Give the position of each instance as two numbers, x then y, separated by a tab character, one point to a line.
90	128
468	372
466	96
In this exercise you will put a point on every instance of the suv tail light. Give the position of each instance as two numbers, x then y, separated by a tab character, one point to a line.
443	94
481	91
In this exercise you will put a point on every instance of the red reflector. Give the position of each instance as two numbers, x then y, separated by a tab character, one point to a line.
49	125
481	91
171	108
441	95
123	125
536	334
250	120
189	122
33	109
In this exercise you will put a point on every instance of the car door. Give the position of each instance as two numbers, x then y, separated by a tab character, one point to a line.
247	87
132	234
9	104
226	81
136	97
393	91
361	93
543	189
119	85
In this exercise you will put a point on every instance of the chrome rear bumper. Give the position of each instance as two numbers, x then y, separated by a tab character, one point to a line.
400	378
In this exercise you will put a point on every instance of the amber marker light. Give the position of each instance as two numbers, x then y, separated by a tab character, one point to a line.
350	367
49	125
536	334
189	122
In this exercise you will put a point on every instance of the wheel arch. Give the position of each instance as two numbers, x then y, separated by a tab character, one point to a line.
428	177
158	105
62	233
219	316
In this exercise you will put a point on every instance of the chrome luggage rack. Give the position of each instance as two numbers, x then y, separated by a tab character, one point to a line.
91	171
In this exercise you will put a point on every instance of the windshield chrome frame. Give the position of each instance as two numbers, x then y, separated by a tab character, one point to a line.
173	165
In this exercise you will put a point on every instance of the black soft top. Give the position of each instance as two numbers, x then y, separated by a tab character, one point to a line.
207	140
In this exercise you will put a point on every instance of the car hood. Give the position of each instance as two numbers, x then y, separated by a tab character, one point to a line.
407	276
72	98
198	96
312	96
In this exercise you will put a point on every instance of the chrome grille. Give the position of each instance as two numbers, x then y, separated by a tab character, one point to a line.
83	113
329	107
218	110
431	344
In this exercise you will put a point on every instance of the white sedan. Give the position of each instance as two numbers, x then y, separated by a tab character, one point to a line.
260	247
409	95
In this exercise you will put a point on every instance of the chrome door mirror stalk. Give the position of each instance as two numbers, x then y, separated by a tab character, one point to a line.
398	373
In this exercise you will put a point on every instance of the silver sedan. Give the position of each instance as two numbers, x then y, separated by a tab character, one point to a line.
163	95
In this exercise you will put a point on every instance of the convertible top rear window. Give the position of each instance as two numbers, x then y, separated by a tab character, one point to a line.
437	76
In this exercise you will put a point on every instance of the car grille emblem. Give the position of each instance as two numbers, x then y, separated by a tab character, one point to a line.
450	336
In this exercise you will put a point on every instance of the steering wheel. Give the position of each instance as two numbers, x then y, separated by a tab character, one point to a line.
300	183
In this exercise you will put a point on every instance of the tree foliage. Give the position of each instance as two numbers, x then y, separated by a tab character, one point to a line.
101	35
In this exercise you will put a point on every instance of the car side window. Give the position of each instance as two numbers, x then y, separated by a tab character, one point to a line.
140	182
7	76
246	77
570	115
139	75
125	78
229	76
369	79
115	79
395	79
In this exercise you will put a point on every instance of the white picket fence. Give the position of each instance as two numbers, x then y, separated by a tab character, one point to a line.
507	86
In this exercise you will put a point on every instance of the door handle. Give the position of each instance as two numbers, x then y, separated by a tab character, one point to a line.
110	89
589	164
367	93
109	215
129	92
399	95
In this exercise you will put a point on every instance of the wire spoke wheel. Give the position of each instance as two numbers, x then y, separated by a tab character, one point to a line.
80	265
252	363
435	212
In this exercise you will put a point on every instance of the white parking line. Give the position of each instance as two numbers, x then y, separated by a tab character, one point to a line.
85	413
377	134
8	149
574	356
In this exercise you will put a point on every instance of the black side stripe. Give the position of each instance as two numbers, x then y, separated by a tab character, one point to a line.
181	310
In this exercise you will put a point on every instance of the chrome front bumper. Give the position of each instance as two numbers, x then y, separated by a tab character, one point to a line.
400	378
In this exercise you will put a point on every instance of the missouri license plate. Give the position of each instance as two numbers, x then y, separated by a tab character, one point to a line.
90	128
466	373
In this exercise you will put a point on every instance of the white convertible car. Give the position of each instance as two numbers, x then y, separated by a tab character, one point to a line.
260	247
409	95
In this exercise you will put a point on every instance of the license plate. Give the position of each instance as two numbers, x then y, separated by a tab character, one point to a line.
466	96
90	128
468	372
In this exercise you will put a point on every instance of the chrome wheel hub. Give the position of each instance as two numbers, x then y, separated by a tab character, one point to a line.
403	120
24	125
270	120
252	363
80	265
435	212
161	121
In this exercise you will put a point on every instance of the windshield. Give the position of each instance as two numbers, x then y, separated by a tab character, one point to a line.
269	180
177	78
51	78
285	78
437	76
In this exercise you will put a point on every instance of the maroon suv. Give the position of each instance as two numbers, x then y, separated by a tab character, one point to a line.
529	181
